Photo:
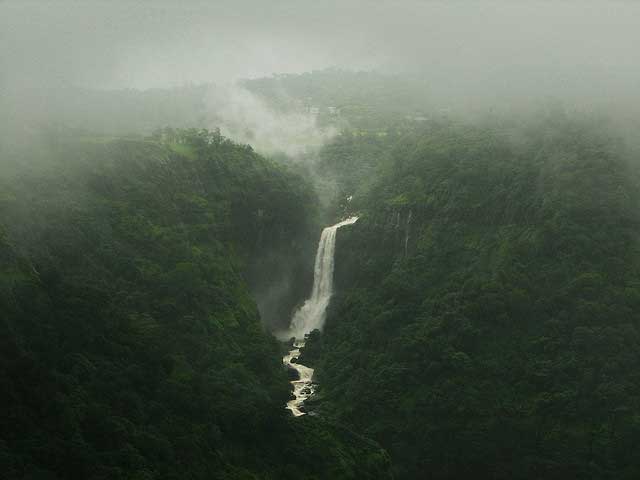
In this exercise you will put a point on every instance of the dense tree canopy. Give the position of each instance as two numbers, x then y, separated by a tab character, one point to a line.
131	347
487	320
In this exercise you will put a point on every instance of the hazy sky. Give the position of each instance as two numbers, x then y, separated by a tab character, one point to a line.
494	45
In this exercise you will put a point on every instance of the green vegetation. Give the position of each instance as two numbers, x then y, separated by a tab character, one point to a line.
486	324
131	347
369	102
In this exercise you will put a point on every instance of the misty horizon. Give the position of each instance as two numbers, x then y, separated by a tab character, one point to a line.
319	240
539	46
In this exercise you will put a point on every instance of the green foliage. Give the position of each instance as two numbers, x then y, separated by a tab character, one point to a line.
366	102
487	320
130	344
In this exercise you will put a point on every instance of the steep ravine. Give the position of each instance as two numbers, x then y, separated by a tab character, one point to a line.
311	316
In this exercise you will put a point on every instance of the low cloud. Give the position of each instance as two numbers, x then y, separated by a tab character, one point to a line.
247	118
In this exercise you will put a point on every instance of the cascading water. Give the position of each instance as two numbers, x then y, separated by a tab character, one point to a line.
303	388
312	314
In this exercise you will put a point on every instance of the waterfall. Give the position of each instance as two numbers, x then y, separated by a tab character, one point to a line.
312	314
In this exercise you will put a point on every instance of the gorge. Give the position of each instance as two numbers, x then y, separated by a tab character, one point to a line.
311	315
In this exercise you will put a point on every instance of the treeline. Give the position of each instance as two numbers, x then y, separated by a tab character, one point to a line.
486	324
360	100
131	346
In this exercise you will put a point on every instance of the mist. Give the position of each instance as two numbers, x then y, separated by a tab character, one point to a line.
130	67
414	223
247	118
470	51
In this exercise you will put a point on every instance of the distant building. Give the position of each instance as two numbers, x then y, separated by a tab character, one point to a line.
314	110
332	110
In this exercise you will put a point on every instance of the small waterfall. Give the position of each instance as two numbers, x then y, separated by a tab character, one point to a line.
312	314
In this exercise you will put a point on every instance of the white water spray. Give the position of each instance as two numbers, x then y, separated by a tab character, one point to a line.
312	315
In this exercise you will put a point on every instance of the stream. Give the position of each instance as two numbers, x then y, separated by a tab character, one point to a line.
303	388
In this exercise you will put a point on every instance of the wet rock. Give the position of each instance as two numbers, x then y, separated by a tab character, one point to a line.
293	374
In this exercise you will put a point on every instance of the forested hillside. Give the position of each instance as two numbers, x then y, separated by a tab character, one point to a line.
131	345
486	321
330	240
361	100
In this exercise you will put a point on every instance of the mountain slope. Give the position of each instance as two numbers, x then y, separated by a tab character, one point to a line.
131	346
486	324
